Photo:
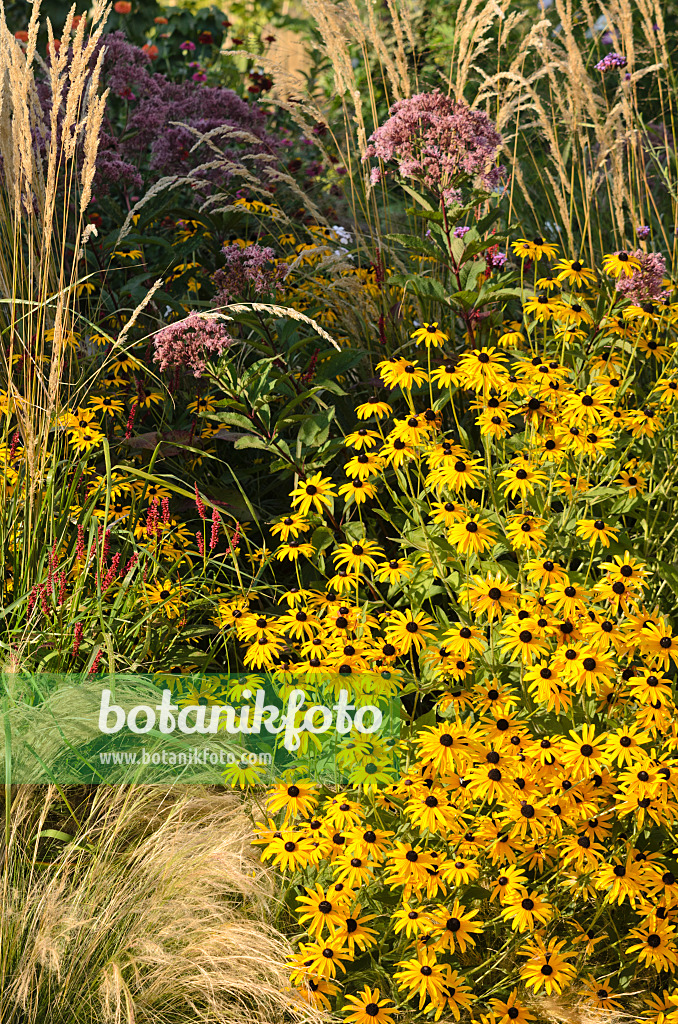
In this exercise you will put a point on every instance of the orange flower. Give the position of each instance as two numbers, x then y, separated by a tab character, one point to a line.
21	35
160	21
150	50
122	7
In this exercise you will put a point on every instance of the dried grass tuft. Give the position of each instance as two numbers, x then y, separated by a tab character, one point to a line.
153	913
562	1010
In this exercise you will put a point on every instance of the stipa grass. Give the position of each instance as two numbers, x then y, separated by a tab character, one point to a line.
152	910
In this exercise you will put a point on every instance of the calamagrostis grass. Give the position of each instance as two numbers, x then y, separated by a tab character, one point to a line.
154	912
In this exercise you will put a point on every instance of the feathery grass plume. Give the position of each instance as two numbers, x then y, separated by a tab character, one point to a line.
561	1010
154	912
281	311
598	148
46	171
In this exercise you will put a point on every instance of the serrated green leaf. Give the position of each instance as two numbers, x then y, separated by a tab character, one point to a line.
424	287
418	245
252	442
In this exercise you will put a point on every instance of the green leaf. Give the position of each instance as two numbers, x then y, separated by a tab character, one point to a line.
330	385
436	216
469	274
234	419
424	287
252	442
53	833
481	245
417	198
464	300
315	429
670	574
486	222
490	293
338	363
416	244
321	538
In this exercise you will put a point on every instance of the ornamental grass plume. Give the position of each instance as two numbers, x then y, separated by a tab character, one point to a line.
155	911
49	134
437	141
185	344
559	1010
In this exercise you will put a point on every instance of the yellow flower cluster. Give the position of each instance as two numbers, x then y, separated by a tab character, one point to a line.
531	838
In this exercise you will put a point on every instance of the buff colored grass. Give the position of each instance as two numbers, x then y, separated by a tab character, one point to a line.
154	912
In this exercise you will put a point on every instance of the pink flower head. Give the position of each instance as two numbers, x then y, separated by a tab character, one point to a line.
187	342
610	61
439	142
644	284
187	45
251	268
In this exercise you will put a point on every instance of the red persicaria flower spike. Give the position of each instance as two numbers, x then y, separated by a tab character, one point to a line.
112	573
130	421
62	587
166	518
216	523
80	545
130	565
200	504
32	598
233	542
43	600
77	638
201	543
152	519
14	445
95	664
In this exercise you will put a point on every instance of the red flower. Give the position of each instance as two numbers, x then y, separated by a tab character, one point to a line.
21	35
122	7
150	50
160	21
205	38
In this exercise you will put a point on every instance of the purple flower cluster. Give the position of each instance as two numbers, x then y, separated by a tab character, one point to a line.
495	259
149	137
645	284
611	60
185	344
439	142
643	232
251	267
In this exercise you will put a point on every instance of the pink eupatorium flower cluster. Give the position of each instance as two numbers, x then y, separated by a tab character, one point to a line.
187	343
644	284
439	142
251	267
